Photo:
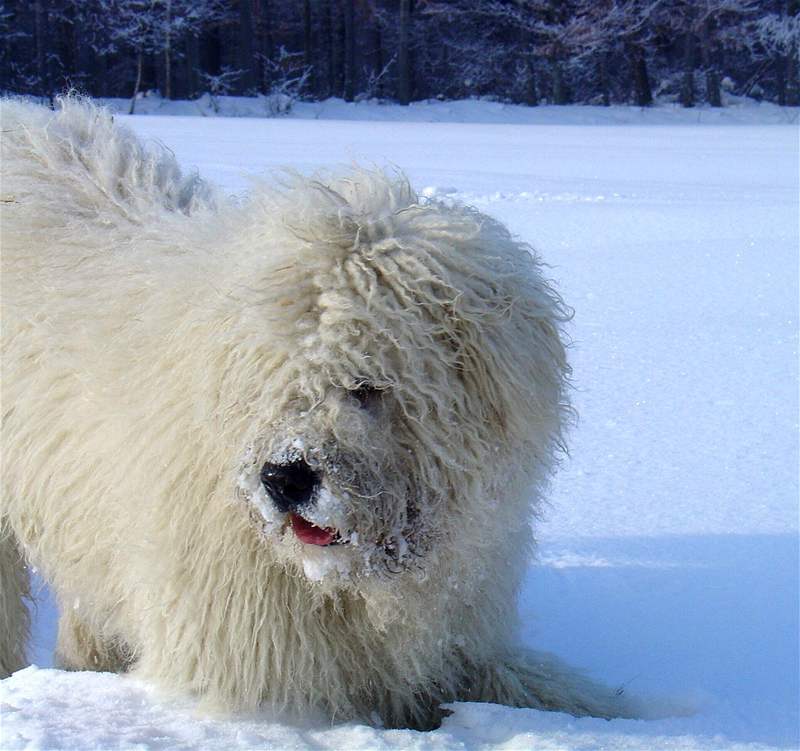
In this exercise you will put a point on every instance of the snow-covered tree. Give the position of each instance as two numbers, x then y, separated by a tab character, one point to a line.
616	29
149	27
775	37
220	84
708	27
514	50
288	77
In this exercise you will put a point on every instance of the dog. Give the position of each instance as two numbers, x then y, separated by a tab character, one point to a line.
282	451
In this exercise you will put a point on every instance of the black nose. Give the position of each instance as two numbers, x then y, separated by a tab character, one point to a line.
289	485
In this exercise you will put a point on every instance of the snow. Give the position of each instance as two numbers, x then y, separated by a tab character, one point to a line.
737	110
102	711
321	562
669	557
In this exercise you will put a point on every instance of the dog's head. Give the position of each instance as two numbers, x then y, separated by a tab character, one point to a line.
404	375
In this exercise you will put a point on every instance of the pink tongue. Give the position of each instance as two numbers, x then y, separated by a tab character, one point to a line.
310	533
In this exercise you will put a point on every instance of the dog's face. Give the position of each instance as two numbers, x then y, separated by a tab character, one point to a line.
337	489
352	477
412	369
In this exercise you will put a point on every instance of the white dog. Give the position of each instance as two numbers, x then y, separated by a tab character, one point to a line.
283	452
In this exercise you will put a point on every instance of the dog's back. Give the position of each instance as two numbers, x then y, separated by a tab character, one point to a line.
75	162
75	190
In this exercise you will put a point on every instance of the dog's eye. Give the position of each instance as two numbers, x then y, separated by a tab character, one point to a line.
366	395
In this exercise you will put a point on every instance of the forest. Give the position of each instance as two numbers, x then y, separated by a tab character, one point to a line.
523	51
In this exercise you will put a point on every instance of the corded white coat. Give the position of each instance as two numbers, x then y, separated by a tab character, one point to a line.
160	343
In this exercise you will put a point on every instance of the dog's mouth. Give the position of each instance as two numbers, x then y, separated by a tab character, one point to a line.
311	534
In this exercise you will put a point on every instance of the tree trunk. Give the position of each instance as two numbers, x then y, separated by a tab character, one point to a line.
603	78
349	51
531	89
792	81
267	45
792	77
247	81
85	59
403	54
641	80
68	57
308	51
687	85
168	53
139	65
337	50
98	76
39	30
192	66
560	93
327	34
780	78
377	58
713	91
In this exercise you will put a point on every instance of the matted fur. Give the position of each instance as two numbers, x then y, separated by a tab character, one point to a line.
160	344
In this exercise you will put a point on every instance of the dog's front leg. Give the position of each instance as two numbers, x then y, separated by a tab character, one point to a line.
79	647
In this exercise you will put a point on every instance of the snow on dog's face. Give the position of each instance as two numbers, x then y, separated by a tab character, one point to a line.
410	365
335	487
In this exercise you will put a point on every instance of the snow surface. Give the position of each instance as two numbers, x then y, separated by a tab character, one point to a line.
737	110
669	558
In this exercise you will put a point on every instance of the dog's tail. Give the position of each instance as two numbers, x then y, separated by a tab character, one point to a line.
14	591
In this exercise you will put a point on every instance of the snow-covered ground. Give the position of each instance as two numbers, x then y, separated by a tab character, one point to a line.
669	558
737	110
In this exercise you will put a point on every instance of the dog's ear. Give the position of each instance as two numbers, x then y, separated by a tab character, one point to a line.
505	330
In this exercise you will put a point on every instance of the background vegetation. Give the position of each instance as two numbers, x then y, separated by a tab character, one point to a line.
525	51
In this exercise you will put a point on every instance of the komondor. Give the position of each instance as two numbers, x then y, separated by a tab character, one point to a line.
276	452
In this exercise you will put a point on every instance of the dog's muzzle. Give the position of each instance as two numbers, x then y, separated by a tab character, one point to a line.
293	487
289	485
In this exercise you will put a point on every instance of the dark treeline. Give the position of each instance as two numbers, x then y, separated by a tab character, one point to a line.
527	51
